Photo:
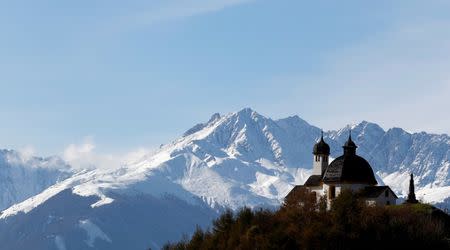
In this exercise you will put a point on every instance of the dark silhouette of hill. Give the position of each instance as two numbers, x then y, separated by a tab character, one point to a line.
303	223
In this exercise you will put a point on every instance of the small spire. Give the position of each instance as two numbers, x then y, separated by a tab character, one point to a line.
349	146
411	196
321	134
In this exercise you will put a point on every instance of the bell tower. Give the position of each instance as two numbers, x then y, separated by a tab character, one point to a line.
321	153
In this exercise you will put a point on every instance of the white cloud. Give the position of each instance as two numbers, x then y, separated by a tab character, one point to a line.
77	151
184	9
84	156
154	12
27	152
135	155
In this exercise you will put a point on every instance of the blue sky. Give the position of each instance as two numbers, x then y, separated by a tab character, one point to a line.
135	74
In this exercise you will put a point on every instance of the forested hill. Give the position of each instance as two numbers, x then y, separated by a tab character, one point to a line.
348	225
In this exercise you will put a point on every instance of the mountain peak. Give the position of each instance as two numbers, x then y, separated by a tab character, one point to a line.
248	115
398	131
294	119
214	117
245	115
246	112
369	125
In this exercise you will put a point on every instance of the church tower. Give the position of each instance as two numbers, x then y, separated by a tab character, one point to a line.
321	154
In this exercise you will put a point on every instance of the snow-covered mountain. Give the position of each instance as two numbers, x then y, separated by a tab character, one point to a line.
22	177
240	159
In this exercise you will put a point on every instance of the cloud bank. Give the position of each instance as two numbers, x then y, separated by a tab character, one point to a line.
85	156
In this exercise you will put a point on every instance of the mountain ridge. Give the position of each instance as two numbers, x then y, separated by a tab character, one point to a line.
23	176
234	160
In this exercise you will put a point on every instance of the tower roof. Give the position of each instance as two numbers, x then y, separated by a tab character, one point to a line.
349	146
349	143
321	148
350	168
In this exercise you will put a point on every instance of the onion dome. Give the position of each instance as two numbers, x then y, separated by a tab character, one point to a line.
349	146
321	148
350	143
349	168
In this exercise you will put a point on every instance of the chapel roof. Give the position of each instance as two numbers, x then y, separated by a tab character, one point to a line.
376	191
313	180
349	168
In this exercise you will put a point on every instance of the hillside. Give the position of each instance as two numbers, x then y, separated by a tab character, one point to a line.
302	223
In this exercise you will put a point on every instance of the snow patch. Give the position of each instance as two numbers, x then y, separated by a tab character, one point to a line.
433	195
103	201
59	242
93	232
397	181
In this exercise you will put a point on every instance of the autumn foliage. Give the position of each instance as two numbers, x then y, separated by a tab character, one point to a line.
304	223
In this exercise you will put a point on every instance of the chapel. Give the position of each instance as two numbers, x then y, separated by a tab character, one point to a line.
348	171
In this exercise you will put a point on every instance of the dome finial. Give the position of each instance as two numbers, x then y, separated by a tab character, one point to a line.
350	146
321	147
